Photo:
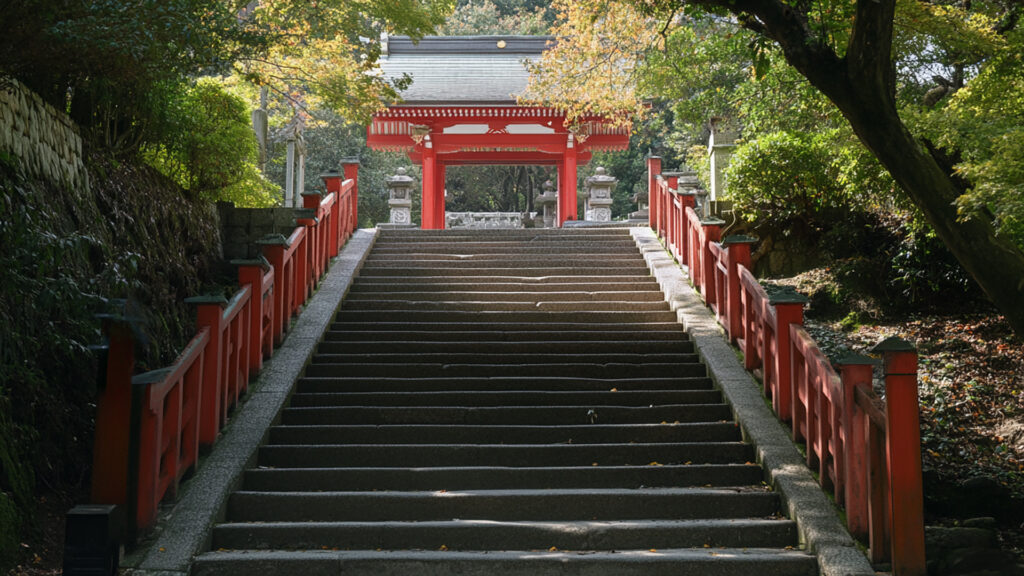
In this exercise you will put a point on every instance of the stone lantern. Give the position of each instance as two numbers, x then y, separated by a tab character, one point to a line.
546	204
598	206
400	199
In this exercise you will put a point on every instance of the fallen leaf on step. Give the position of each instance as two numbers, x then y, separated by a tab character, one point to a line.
655	464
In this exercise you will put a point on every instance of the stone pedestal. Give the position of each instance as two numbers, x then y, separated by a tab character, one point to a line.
598	194
545	204
400	199
720	146
641	199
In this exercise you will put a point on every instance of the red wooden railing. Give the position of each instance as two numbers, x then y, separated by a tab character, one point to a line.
866	451
176	410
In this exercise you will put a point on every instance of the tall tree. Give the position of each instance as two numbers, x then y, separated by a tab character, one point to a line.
846	51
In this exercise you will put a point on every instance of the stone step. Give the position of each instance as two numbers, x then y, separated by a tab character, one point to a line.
487	535
525	455
503	261
454	251
485	285
499	319
437	478
507	398
509	435
462	332
440	370
536	383
514	253
360	297
450	306
654	562
585	270
507	415
503	505
497	358
504	347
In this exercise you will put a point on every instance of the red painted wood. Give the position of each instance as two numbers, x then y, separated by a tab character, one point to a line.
352	173
429	203
567	192
112	456
903	448
854	496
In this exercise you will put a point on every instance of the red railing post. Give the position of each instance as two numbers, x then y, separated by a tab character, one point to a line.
789	309
738	249
711	232
687	200
653	191
351	168
254	273
210	313
332	183
113	463
855	371
903	455
274	248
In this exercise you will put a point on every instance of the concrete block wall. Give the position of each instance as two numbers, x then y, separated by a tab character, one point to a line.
241	227
45	141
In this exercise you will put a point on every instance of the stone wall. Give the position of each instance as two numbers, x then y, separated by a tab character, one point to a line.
45	141
240	228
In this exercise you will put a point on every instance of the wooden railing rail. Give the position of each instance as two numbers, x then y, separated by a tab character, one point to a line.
150	427
868	453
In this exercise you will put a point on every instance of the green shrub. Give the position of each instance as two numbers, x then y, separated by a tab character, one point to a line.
788	178
10	524
209	148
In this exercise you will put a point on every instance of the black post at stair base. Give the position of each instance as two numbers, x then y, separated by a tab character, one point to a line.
92	540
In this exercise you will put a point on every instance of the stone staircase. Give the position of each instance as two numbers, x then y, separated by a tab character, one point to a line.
505	402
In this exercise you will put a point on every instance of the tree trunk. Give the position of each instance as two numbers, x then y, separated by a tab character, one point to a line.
862	86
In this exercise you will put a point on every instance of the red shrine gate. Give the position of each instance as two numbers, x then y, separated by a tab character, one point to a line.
461	110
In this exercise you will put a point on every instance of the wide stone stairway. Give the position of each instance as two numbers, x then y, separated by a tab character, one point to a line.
505	402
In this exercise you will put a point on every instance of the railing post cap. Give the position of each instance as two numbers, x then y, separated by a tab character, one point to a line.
258	261
676	173
784	295
712	222
851	358
151	377
207	299
738	239
651	156
317	193
117	313
330	173
893	344
349	160
273	240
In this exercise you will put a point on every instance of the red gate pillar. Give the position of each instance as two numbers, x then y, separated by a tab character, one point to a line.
567	191
439	208
428	217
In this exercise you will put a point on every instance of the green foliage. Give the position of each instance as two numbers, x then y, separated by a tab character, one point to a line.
982	126
10	524
787	177
109	63
923	270
329	139
480	17
132	235
209	147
